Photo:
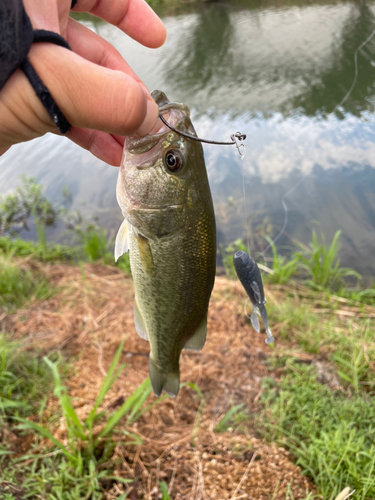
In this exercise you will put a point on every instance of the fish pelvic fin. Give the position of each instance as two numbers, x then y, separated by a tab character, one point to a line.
160	381
197	341
122	240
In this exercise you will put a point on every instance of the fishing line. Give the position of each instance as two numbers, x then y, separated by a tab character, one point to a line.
244	200
236	139
288	193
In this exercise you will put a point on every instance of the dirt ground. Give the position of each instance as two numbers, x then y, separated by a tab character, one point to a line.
87	319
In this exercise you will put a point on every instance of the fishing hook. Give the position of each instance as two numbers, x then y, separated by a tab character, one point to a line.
237	138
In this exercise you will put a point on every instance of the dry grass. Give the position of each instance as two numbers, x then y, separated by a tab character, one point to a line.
87	320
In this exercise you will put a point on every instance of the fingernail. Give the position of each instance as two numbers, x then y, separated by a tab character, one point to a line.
150	120
145	91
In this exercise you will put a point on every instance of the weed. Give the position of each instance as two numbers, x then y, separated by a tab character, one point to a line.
331	435
20	248
19	286
283	269
73	470
24	380
322	262
94	243
227	256
228	417
17	207
349	346
164	491
83	431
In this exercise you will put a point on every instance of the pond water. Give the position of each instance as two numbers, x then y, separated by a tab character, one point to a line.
277	72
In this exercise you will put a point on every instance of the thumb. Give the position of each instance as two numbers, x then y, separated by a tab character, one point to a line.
92	96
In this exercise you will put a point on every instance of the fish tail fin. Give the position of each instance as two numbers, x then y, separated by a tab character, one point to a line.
168	382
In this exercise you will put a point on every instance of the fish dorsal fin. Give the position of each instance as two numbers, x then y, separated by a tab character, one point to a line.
197	341
255	287
122	240
139	322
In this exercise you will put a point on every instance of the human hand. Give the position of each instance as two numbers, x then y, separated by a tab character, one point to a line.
92	84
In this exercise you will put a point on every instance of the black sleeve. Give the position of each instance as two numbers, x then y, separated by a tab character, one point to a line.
16	37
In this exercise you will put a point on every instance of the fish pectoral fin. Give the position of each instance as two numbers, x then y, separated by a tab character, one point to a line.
122	240
197	341
145	254
255	287
254	319
160	381
139	322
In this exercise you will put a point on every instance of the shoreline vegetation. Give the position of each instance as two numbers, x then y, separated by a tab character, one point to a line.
77	419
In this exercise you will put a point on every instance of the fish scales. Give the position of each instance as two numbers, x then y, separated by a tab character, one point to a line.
170	232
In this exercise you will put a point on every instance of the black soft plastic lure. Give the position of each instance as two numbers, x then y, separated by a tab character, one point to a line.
249	275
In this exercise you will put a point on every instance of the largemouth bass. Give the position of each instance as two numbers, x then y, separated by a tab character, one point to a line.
169	229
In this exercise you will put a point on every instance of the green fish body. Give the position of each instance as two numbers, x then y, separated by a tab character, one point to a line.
169	229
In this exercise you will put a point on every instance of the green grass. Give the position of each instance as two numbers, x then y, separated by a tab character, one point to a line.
227	256
20	248
329	430
19	286
79	467
232	415
24	380
283	268
26	200
164	491
322	262
349	345
330	434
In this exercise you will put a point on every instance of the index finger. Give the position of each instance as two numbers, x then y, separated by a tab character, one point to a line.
133	17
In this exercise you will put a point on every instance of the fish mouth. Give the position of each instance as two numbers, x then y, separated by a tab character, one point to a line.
151	210
176	114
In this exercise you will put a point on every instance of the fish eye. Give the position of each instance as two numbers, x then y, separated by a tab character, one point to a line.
173	160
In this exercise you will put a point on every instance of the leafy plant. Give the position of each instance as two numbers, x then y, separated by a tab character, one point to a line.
323	264
17	207
164	491
20	248
83	441
230	414
283	269
227	256
23	382
19	285
331	436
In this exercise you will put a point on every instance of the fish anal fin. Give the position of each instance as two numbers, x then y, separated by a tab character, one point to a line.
160	381
139	322
197	341
122	240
